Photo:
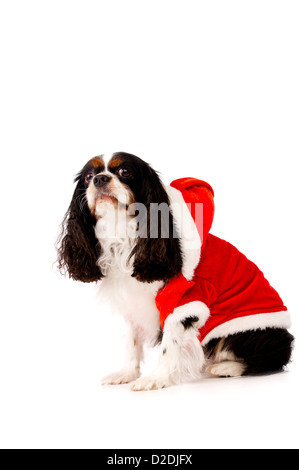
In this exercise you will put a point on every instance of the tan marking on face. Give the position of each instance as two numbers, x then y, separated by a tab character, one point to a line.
115	162
97	162
131	196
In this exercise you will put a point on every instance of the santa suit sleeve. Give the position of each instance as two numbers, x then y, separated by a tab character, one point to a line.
182	298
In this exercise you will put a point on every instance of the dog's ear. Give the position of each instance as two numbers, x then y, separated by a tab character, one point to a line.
77	247
157	253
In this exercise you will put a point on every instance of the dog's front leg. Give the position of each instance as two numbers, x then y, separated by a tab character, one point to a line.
134	356
180	355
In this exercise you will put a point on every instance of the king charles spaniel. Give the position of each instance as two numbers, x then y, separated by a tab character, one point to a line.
158	269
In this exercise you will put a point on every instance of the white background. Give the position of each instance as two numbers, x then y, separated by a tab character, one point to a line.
197	88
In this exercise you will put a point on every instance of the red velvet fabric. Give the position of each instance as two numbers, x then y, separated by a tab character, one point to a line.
197	191
170	296
227	282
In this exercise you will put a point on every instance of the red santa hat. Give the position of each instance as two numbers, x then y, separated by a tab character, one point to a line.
192	204
199	197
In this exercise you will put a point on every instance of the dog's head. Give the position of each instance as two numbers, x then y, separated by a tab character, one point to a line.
123	181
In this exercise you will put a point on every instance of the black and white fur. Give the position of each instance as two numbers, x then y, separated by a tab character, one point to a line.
94	246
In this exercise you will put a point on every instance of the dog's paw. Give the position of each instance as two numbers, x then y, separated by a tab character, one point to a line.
151	382
226	369
123	376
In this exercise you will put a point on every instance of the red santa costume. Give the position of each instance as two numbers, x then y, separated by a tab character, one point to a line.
218	284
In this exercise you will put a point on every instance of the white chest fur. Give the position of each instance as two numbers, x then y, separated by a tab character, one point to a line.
132	299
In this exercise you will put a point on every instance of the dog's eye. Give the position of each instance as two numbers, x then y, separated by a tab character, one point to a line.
88	177
124	172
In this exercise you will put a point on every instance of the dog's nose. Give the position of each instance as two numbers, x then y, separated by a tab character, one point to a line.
101	180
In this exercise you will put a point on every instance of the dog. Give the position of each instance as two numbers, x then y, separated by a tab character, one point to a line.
196	296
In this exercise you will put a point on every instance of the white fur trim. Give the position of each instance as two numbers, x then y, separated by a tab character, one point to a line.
196	308
187	230
259	321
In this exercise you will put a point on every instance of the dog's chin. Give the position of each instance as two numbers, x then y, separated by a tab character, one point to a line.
104	201
110	198
106	198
